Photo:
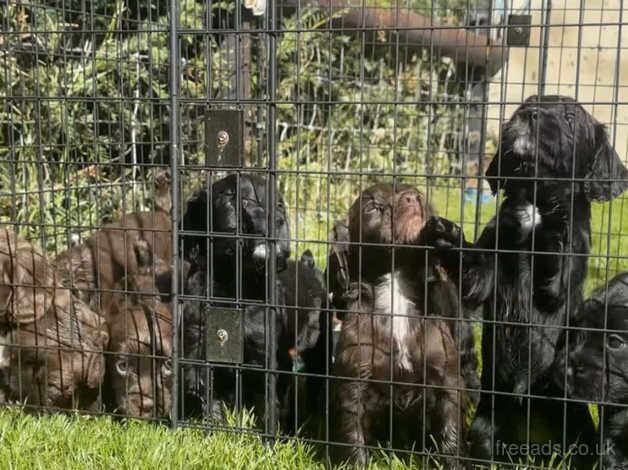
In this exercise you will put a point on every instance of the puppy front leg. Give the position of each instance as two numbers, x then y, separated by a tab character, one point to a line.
551	267
481	433
352	428
447	425
473	266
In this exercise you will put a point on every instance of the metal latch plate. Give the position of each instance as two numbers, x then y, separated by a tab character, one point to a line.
224	335
519	30
224	137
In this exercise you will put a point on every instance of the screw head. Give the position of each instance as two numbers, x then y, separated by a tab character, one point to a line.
222	336
223	138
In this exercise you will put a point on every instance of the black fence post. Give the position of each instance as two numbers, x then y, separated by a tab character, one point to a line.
271	339
174	161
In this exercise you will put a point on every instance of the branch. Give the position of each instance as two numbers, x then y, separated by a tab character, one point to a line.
414	31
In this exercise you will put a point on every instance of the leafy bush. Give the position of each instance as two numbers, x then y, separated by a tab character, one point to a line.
87	110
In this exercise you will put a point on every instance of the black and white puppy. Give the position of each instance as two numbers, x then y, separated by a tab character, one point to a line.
230	253
234	216
592	364
442	298
391	357
554	158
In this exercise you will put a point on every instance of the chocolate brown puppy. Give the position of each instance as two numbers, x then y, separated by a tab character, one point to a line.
395	358
51	342
139	366
108	254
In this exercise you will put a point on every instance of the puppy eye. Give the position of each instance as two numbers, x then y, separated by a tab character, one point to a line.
122	367
226	195
615	342
167	368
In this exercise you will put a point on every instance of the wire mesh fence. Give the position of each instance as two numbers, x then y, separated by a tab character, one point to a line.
380	227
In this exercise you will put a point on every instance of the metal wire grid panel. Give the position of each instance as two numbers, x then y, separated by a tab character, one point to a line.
296	105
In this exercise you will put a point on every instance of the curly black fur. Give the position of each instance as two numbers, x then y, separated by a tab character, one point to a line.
553	159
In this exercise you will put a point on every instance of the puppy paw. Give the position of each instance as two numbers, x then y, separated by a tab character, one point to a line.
479	439
162	196
441	233
161	177
357	292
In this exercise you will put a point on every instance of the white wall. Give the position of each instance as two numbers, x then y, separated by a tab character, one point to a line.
592	80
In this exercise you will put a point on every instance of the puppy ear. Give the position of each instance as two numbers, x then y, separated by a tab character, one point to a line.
30	283
5	288
163	282
195	218
606	165
93	364
491	174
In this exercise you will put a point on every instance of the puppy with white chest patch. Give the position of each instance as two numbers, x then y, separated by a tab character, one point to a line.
390	356
527	271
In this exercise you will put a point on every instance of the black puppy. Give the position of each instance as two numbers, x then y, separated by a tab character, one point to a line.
553	159
234	215
307	332
595	363
228	275
386	336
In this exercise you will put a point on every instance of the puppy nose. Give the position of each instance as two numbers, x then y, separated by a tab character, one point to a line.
144	405
410	198
436	224
259	253
569	373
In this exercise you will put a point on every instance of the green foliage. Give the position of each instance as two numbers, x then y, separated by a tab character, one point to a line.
80	108
355	112
87	111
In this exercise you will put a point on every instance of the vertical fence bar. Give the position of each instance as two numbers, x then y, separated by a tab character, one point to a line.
544	47
174	188
271	336
484	93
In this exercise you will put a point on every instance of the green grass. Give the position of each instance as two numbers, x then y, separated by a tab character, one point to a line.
76	442
72	441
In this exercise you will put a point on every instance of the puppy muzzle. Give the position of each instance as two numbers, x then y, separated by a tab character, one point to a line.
262	251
